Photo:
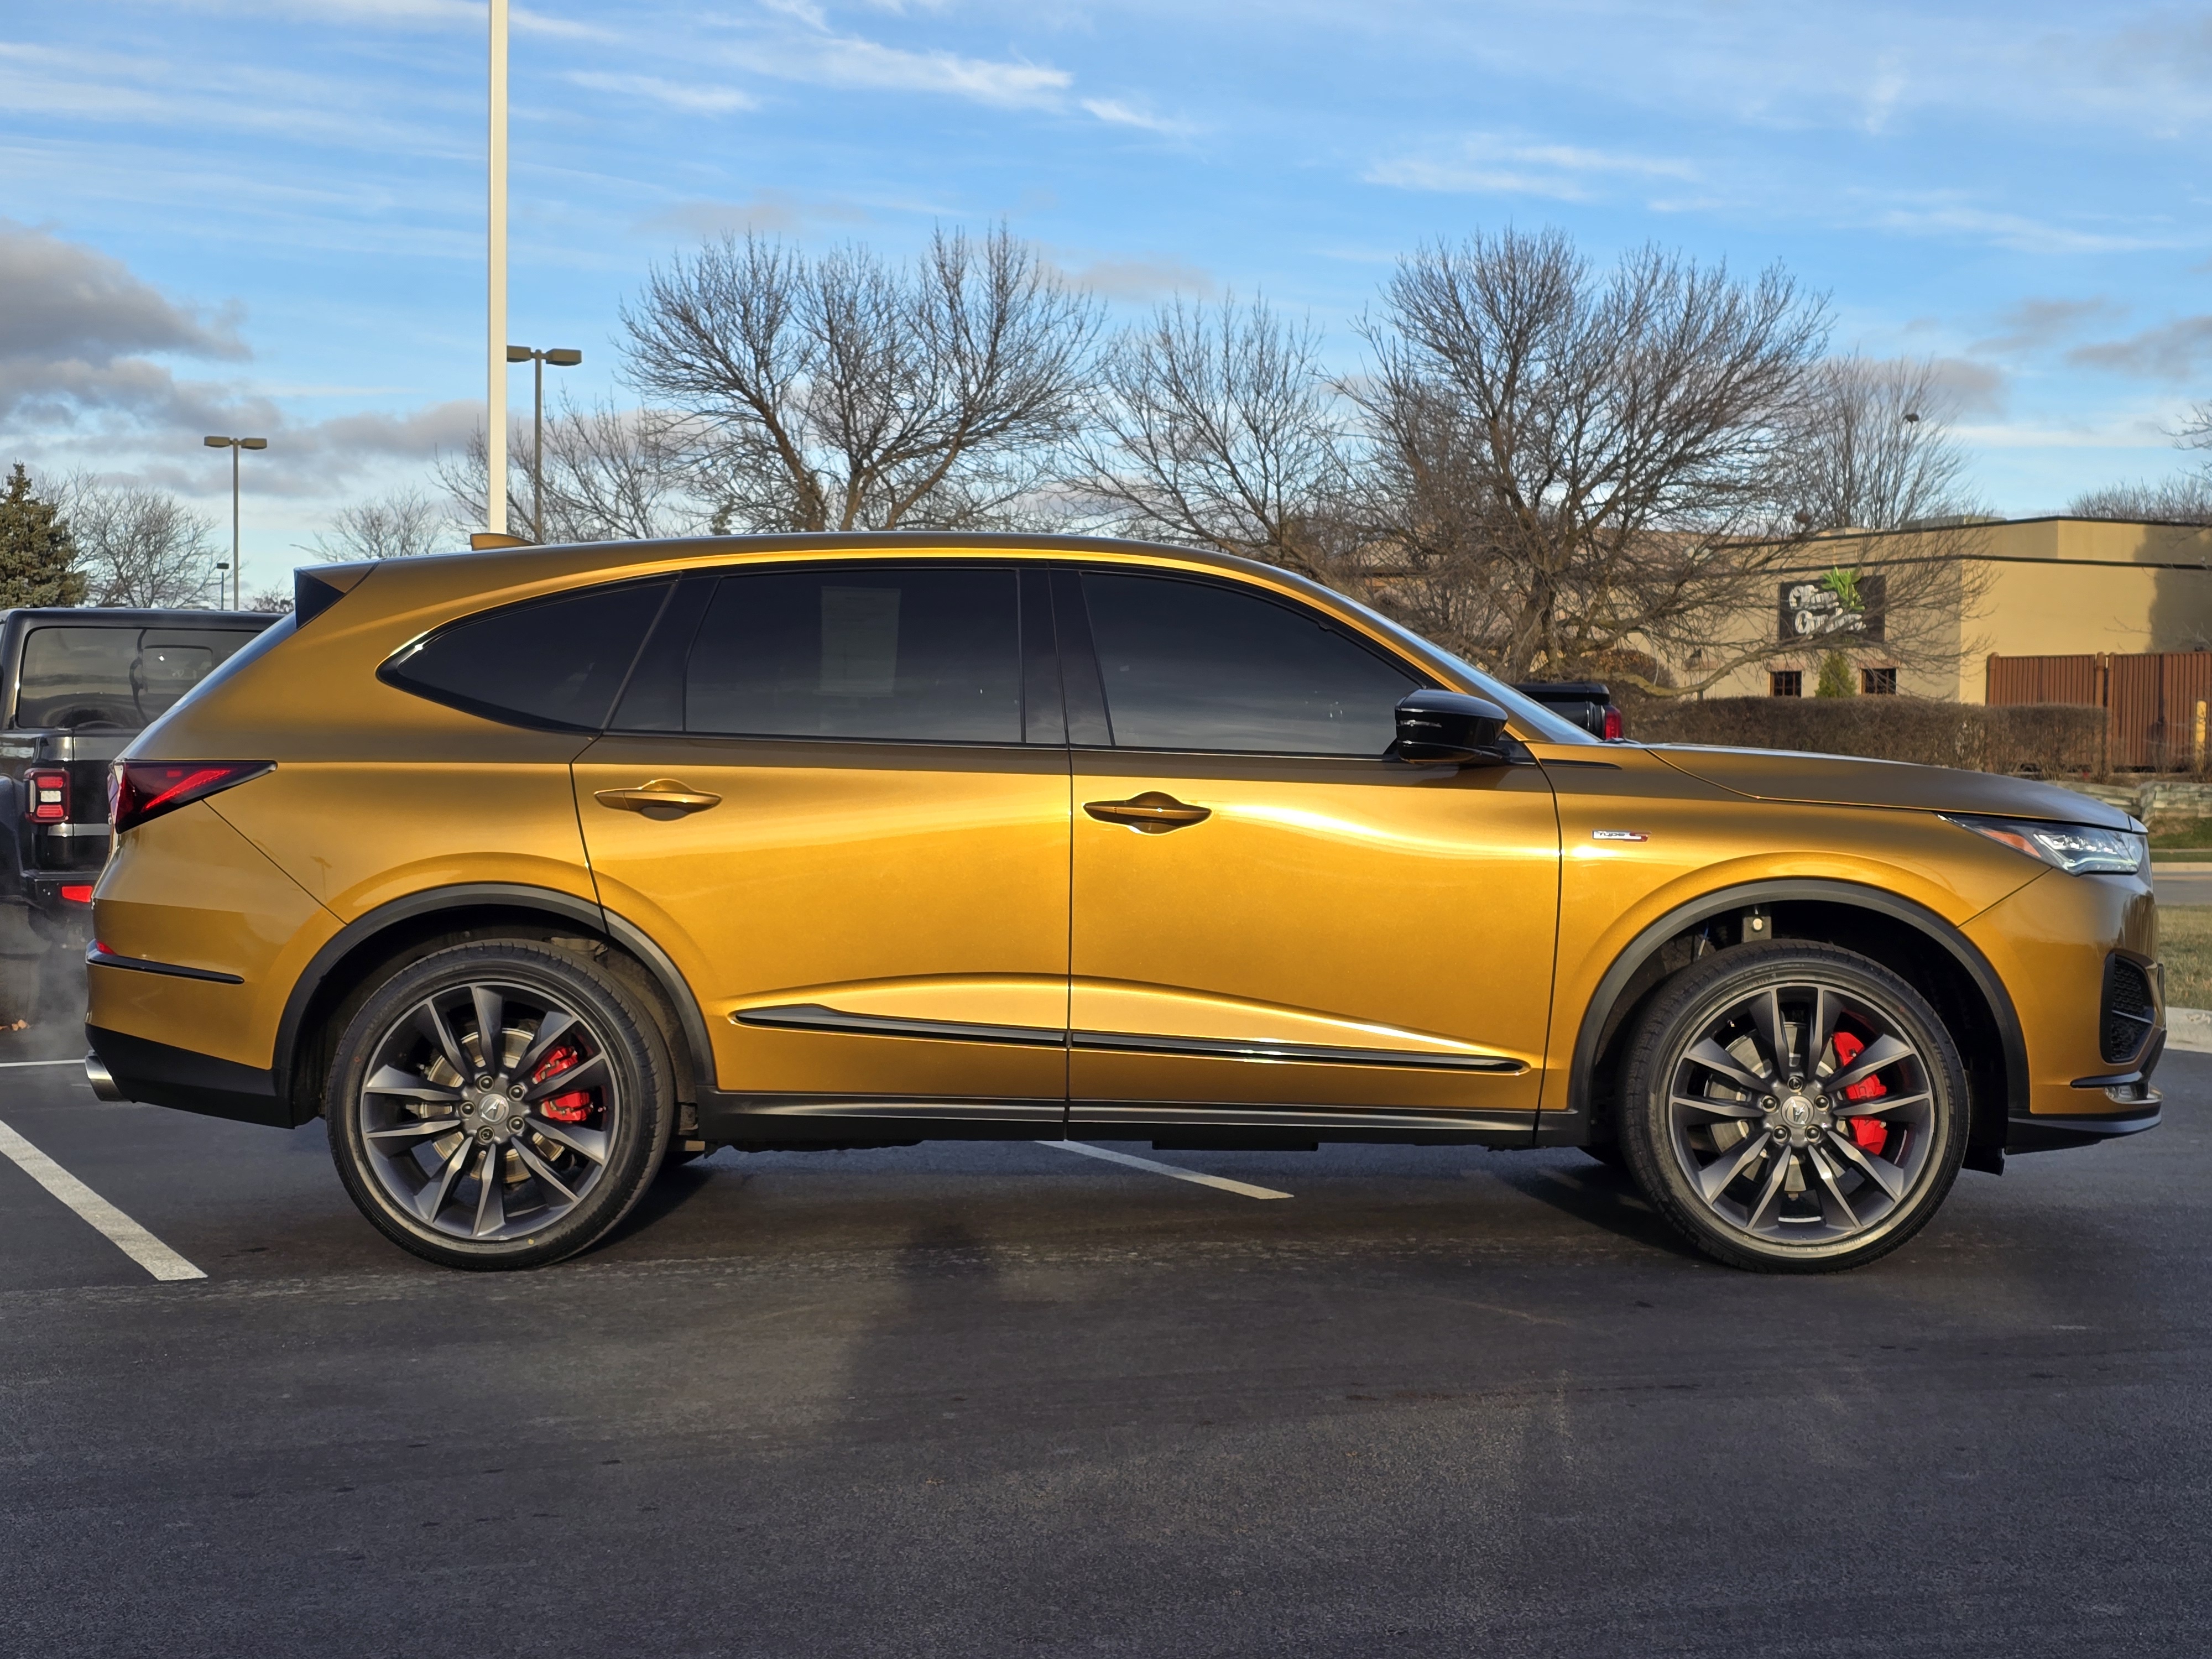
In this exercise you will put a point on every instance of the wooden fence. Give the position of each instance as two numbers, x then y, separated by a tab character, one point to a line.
2155	703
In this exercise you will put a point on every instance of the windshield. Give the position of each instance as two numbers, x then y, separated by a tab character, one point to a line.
114	679
1531	716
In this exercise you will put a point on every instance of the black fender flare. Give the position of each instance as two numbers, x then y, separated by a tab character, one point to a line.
588	917
1573	1126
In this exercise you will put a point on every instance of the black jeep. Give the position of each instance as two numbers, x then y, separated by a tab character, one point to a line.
80	683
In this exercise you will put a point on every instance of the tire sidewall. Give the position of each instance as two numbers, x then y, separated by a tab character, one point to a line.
633	1051
1682	1010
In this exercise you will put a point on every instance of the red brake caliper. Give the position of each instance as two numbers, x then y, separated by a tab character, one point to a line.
1869	1132
573	1107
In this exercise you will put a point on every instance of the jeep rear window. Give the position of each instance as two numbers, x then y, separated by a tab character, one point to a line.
550	663
115	679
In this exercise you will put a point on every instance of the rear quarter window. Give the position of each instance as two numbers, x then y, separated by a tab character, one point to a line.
556	664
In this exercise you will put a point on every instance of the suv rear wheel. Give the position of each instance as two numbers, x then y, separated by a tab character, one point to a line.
500	1104
1793	1108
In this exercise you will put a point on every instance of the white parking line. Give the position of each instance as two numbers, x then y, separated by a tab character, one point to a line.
1223	1182
118	1229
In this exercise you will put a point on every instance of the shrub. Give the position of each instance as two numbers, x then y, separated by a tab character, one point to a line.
2057	740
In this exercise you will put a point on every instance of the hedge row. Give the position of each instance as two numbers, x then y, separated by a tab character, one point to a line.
2055	739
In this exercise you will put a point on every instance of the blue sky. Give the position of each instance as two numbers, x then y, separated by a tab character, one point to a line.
223	215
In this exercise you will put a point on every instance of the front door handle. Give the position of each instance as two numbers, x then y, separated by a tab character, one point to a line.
1152	813
661	795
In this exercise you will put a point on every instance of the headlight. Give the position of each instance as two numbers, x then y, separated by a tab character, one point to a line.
2080	849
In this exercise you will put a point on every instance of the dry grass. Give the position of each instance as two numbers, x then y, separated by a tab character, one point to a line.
2184	944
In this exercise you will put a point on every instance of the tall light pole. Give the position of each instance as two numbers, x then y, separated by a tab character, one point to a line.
495	335
560	358
233	445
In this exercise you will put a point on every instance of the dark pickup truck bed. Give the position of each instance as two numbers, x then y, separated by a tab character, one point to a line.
78	684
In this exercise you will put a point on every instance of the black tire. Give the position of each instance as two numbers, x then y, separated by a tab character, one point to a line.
551	1140
1869	1129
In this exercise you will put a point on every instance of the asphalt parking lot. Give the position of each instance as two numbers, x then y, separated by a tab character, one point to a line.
1004	1400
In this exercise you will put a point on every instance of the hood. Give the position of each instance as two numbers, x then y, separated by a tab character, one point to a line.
1849	780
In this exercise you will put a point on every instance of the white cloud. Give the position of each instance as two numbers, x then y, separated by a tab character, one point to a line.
2019	232
1139	279
692	100
1486	163
1115	113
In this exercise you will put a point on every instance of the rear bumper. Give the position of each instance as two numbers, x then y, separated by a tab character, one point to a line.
159	1075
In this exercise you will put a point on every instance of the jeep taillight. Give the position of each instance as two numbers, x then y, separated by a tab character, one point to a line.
139	790
46	795
1615	727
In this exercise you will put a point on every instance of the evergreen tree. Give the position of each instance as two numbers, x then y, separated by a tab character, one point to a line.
38	557
1835	677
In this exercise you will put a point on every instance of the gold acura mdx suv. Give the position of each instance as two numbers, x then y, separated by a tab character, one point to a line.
532	870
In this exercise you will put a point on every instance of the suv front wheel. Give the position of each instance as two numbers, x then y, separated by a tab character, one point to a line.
500	1104
1793	1108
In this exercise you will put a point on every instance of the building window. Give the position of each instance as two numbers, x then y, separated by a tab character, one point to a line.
1786	682
1878	681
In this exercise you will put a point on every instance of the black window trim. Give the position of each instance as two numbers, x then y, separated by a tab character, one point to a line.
1079	667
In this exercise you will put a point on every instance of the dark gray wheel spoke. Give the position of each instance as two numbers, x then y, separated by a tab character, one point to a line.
550	1030
391	1080
592	1143
1878	1169
1714	1178
491	1022
1826	1005
1770	1190
538	1167
1714	1057
1880	1106
1773	1036
491	1205
1742	1109
1884	1051
432	1199
431	1023
590	1074
415	1129
1845	1216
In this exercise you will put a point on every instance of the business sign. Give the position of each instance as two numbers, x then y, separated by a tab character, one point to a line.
1814	610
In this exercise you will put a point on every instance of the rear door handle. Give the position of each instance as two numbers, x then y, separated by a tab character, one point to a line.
660	795
1152	813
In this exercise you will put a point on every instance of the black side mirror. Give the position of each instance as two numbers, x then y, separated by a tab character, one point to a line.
1450	728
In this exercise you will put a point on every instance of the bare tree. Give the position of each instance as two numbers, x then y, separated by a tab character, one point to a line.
609	475
2184	500
400	526
138	547
1577	472
1218	426
838	393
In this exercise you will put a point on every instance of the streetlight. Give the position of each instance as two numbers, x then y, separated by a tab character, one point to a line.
233	445
496	264
560	358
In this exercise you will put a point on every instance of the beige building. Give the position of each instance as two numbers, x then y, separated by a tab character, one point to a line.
1949	597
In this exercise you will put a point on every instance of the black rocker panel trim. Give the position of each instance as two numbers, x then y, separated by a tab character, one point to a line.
819	1017
1304	1053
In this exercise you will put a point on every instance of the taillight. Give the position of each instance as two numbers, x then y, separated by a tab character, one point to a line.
46	795
139	790
77	892
1615	727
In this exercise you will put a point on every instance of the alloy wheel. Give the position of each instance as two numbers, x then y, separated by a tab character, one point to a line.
1803	1114
489	1111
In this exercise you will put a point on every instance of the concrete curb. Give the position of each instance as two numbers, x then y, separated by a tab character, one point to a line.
2189	1030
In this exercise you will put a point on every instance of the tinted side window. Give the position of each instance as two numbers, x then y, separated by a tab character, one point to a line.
556	663
1193	665
924	653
